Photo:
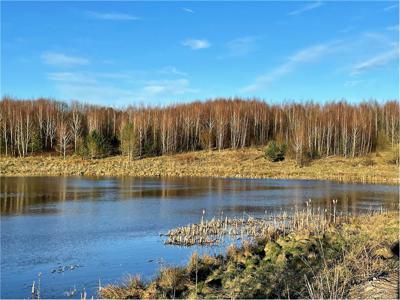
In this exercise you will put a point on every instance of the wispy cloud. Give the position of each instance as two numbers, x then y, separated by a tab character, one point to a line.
388	8
120	87
394	27
376	61
168	87
196	44
346	29
71	77
352	83
171	70
311	53
242	46
380	47
188	10
63	60
92	87
306	55
305	8
112	16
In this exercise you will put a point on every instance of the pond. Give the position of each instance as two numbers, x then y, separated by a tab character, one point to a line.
79	231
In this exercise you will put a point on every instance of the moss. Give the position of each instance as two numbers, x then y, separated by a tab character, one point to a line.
331	263
272	251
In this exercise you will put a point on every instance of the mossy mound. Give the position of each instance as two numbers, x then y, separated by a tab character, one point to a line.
306	263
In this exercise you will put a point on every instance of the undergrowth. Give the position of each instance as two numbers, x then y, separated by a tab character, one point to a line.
310	261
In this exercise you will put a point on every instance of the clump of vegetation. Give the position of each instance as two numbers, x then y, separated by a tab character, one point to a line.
367	162
132	288
311	261
394	156
275	152
97	145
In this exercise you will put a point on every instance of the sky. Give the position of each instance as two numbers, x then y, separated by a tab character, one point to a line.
159	53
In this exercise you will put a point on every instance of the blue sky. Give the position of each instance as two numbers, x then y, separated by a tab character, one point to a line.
121	53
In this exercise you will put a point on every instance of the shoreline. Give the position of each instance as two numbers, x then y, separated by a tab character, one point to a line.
245	163
360	258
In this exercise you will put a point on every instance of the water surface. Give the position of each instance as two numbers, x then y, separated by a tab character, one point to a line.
110	226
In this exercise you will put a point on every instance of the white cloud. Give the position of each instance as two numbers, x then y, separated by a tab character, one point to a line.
310	53
112	16
188	10
376	61
306	55
196	44
380	47
305	8
89	87
154	89
171	70
119	88
242	46
392	28
168	87
71	77
352	83
388	8
346	29
63	60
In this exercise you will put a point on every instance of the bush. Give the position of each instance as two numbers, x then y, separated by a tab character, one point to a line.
275	152
394	156
367	162
82	149
313	154
303	160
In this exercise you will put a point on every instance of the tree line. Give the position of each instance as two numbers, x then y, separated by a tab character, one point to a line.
307	129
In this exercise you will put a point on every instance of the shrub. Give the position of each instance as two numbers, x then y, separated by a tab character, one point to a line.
132	288
172	281
313	154
367	162
82	149
275	152
394	156
303	160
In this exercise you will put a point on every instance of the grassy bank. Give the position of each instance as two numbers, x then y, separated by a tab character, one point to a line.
247	163
350	257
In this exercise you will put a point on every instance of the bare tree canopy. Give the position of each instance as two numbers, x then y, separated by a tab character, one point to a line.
335	128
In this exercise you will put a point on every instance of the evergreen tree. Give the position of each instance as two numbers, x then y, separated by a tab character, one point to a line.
275	152
97	145
129	141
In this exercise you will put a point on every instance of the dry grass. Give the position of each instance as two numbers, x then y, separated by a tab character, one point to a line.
247	163
333	261
131	288
361	259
